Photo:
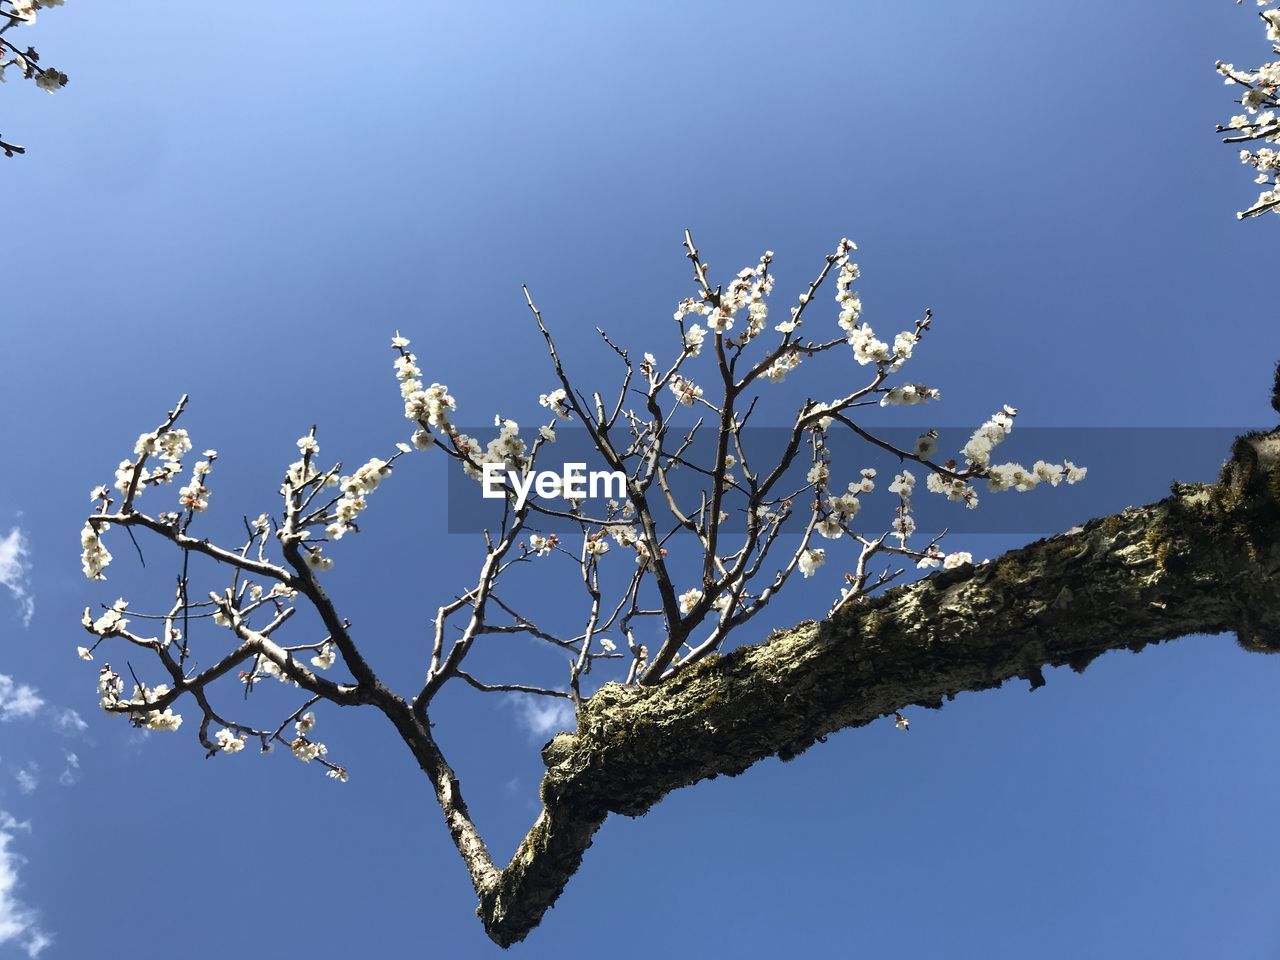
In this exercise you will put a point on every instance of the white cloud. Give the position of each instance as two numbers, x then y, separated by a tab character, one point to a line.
69	721
542	716
14	566
27	779
71	773
17	699
19	924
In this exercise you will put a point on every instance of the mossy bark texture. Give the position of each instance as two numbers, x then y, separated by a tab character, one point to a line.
1205	560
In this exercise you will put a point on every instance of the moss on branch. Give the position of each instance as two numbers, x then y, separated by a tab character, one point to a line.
1205	560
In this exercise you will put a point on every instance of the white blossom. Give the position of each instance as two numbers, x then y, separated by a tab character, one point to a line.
228	742
830	528
689	599
811	560
555	402
306	751
94	556
866	348
165	720
693	338
908	395
325	658
686	391
541	545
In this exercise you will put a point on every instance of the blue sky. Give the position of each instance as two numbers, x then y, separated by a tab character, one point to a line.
243	207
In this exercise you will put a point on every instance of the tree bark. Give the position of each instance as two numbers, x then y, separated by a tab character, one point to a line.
1205	560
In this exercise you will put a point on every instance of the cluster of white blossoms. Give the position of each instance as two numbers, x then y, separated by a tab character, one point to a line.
1259	121
985	439
110	623
686	391
1008	476
507	448
304	749
850	302
325	658
904	524
689	599
50	80
866	348
165	720
428	406
555	402
953	488
904	485
908	395
693	338
169	446
195	495
27	9
228	742
264	666
541	546
110	688
46	78
747	290
355	489
302	472
625	535
778	370
840	510
94	556
810	560
1014	476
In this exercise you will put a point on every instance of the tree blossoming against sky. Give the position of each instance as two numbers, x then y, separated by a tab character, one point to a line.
676	483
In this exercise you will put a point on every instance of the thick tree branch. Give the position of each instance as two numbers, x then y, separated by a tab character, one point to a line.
1206	560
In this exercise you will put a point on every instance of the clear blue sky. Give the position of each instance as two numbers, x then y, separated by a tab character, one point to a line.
243	204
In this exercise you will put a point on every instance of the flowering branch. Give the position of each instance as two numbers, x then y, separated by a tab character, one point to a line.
1258	123
690	571
14	13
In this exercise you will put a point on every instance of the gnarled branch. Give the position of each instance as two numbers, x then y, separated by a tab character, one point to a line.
1205	560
